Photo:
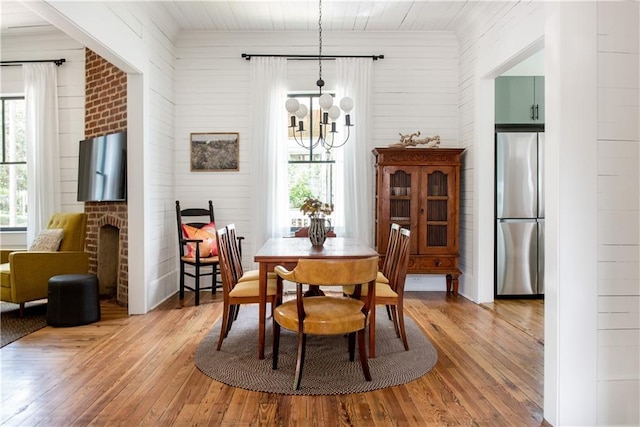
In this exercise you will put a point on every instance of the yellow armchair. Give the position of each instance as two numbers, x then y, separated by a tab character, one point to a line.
24	275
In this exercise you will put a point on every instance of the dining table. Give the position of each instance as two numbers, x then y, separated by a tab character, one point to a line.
287	252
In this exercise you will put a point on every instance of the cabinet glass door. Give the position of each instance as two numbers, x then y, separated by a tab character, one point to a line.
438	231
400	200
400	188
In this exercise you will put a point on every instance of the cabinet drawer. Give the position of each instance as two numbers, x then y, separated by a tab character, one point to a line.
433	263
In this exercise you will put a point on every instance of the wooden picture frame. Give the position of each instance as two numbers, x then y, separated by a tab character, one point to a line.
215	151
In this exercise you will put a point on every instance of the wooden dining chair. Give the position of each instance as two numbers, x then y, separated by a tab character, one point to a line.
392	294
196	239
237	293
242	275
387	263
326	315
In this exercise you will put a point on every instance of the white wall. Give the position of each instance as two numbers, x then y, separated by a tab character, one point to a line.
136	37
71	78
415	88
493	45
591	337
618	234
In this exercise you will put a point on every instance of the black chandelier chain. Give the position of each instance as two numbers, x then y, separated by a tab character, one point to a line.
320	82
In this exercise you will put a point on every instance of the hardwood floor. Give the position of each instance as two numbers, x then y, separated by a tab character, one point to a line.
139	370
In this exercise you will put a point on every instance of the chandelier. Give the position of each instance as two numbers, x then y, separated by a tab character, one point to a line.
329	113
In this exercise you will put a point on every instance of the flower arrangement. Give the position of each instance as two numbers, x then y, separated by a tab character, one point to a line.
314	208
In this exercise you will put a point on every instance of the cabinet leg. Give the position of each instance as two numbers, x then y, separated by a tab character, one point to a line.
452	282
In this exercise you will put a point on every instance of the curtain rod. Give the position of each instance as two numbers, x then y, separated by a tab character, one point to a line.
248	56
58	62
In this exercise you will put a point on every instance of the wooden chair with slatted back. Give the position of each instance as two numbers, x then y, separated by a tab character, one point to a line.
326	315
236	293
383	275
195	251
392	294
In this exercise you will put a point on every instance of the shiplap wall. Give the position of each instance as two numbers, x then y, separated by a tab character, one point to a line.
52	45
618	357
155	30
496	27
618	213
415	88
137	38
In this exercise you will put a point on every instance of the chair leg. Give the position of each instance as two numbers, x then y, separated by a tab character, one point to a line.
276	344
402	329
214	279
237	310
352	346
394	313
302	341
231	316
388	311
223	328
181	280
362	349
197	285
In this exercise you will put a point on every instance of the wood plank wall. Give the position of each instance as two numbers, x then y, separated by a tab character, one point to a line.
619	213
415	87
70	97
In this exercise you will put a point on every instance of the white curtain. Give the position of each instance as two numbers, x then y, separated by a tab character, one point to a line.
355	189
269	149
43	171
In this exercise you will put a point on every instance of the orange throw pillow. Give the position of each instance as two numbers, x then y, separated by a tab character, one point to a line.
207	234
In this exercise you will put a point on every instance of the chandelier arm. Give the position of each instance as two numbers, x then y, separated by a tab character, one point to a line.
345	140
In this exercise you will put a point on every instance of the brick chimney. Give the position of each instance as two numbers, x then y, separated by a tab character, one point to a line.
105	113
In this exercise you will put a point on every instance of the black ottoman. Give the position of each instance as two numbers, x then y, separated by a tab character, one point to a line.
73	300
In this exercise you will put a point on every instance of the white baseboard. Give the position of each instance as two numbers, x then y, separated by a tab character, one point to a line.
425	282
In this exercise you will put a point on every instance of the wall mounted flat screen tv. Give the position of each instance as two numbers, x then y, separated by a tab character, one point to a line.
102	168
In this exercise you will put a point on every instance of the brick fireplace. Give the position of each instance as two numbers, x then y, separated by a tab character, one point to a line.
107	231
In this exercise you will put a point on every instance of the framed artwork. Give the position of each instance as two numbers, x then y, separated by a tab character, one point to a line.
215	151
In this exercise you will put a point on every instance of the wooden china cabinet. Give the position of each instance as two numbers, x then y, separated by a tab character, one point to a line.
419	188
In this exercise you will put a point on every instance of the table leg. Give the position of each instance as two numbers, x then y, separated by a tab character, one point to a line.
262	312
372	325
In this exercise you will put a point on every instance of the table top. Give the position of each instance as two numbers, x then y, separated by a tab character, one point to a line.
294	248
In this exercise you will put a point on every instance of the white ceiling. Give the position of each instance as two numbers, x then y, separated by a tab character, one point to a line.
296	15
267	15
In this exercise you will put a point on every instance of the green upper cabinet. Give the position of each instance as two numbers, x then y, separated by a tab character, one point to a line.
519	99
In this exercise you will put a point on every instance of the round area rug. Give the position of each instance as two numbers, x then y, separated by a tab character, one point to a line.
327	369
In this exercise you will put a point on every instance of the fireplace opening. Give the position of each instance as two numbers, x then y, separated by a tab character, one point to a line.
108	260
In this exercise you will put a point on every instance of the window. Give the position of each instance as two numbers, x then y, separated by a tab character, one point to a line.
311	170
13	166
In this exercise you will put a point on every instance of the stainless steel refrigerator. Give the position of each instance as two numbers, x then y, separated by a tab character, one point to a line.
519	212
